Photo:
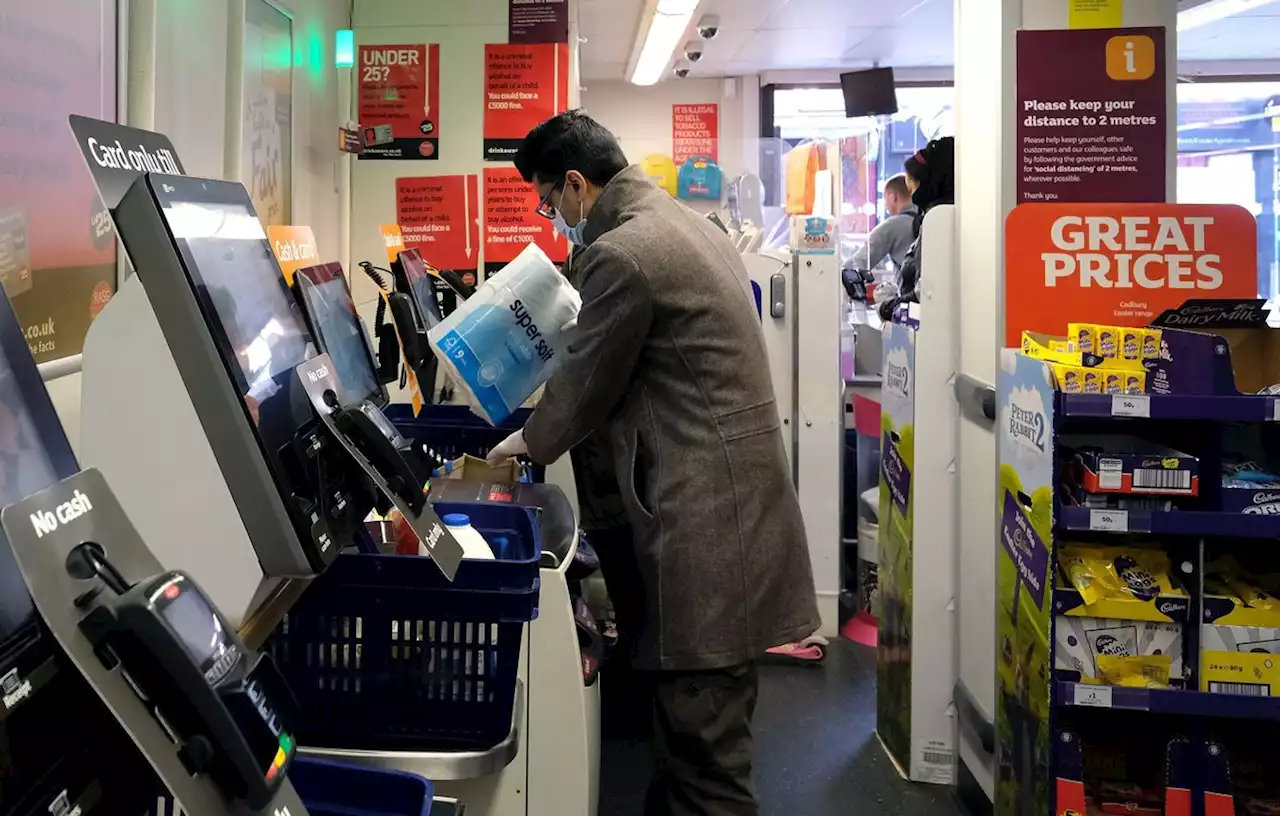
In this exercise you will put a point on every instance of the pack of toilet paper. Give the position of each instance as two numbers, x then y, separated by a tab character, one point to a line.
504	341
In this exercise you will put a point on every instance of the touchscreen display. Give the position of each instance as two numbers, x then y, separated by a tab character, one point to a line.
245	288
338	330
25	468
421	288
246	303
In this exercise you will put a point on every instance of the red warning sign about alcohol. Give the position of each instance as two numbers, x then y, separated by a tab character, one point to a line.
399	101
695	131
511	222
438	215
524	84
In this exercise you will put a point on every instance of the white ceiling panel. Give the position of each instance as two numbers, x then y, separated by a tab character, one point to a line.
747	15
770	35
793	48
732	44
807	14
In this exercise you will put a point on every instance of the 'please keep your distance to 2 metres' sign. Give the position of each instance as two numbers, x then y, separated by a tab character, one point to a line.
1096	132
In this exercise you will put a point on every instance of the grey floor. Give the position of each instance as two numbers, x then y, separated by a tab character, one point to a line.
816	750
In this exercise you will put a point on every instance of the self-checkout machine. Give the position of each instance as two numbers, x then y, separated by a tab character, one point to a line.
561	748
260	474
47	707
208	714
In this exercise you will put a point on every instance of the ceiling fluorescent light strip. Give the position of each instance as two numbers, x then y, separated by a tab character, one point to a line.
1215	10
666	30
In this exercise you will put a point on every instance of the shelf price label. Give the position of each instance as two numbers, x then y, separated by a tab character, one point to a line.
1131	405
1109	521
1092	696
1274	413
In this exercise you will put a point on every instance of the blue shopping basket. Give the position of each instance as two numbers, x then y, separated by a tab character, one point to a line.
452	430
338	789
383	653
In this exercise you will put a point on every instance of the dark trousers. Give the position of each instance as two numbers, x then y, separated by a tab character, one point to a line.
702	744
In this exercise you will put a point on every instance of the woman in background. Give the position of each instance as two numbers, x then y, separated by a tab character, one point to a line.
931	180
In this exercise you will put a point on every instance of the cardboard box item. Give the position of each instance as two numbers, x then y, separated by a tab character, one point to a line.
1080	642
1118	628
1239	649
1218	347
469	468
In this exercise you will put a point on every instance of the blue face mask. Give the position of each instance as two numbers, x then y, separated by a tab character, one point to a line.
574	234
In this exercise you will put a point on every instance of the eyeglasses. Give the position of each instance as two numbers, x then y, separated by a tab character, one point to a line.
545	208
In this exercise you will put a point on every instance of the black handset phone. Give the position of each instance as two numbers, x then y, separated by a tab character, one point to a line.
391	455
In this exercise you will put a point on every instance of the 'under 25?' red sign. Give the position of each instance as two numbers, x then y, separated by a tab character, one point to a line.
1121	264
399	101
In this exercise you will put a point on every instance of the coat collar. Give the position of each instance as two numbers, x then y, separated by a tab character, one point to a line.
617	201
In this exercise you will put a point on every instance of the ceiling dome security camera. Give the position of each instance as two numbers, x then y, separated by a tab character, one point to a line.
708	26
693	50
681	69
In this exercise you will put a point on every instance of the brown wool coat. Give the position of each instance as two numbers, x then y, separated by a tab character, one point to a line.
669	361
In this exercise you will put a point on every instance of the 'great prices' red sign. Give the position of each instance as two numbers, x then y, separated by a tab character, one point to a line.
1121	264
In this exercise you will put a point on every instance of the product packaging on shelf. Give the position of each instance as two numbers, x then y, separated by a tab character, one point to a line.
1247	488
1116	342
1220	347
1240	639
1119	617
1082	372
1128	464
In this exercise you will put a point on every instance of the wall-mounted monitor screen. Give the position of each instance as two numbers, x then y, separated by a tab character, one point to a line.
338	331
869	93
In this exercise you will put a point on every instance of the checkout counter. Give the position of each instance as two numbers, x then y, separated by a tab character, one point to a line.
248	460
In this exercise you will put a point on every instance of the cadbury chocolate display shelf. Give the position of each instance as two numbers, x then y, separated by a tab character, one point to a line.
1236	408
1169	701
1195	523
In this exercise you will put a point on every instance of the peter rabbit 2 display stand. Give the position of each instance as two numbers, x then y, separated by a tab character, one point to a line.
916	664
1039	752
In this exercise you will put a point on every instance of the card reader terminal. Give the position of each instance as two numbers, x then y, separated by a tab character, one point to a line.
357	411
416	311
225	706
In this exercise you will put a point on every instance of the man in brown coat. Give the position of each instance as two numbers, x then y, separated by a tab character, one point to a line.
669	365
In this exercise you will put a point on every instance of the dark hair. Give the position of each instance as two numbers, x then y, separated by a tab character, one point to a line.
570	141
933	168
897	184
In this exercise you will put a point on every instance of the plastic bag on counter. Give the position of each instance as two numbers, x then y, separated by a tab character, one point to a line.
504	341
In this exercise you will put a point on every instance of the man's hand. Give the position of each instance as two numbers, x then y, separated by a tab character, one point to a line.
513	445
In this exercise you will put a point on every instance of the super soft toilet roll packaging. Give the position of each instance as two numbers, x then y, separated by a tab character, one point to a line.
504	341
